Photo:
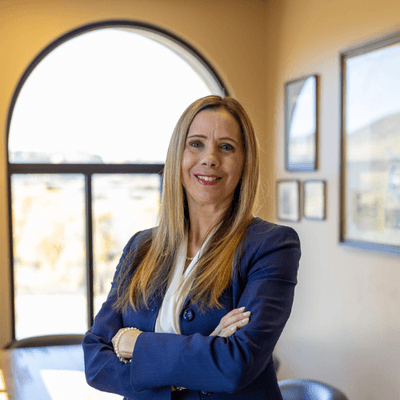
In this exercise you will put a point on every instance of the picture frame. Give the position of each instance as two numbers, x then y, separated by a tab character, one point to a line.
301	124
314	199
288	200
370	146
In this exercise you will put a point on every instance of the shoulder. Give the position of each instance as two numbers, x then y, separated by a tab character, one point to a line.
130	253
261	231
135	243
139	238
269	246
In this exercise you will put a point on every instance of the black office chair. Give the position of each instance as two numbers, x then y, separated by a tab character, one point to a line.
48	340
303	389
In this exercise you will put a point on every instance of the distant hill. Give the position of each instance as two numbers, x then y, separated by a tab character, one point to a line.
35	157
379	140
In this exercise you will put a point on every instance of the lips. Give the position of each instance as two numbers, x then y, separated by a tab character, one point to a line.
208	180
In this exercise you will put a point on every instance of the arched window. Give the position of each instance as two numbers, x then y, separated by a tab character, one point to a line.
88	133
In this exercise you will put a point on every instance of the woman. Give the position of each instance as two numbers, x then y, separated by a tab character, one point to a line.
177	317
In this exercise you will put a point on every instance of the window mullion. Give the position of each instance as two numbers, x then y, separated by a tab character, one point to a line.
89	248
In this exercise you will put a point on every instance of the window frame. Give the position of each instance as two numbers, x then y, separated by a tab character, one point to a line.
166	38
345	56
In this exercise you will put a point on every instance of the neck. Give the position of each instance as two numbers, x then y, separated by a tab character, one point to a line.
201	225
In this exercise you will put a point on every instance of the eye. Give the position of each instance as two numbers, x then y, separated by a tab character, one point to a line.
195	143
227	147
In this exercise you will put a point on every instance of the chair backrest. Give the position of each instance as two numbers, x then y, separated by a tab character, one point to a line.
44	341
304	389
277	362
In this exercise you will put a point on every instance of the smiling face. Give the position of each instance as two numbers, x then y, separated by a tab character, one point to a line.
213	158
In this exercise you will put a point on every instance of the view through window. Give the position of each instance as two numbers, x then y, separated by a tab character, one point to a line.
87	141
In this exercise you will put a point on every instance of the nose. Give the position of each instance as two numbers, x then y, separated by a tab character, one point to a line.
210	159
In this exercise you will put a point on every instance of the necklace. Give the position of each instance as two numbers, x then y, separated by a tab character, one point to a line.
189	258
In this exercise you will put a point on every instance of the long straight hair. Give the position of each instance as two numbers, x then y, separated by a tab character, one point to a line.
153	261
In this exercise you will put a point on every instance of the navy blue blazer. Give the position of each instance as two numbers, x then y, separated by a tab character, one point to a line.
237	367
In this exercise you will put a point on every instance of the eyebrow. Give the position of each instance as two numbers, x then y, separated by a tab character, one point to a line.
205	137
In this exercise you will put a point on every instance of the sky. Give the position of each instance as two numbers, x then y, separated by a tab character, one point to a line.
373	87
109	92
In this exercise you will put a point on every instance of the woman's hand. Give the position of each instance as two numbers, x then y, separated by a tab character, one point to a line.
231	322
124	342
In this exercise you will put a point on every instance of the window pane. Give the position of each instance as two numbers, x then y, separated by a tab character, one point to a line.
122	205
49	256
112	96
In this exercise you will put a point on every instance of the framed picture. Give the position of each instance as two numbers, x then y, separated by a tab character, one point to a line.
314	199
370	168
301	124
288	200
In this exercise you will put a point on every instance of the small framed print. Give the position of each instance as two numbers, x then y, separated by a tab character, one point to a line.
288	200
301	124
314	200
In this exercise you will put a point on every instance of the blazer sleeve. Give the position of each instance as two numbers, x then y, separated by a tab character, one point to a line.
103	369
268	270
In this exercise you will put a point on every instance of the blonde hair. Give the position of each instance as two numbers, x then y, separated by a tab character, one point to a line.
155	257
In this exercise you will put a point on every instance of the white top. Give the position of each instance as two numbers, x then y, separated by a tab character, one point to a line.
168	316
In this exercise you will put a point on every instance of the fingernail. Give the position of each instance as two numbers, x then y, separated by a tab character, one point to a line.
241	308
233	328
247	314
245	321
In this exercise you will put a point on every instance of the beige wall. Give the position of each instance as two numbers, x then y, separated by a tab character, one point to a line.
345	322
